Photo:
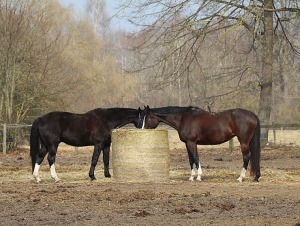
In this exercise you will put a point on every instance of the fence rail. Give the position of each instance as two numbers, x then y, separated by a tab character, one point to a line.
276	128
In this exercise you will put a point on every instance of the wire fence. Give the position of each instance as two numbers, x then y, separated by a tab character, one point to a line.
13	136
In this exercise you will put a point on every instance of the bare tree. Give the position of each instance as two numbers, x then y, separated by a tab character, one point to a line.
187	24
32	72
96	10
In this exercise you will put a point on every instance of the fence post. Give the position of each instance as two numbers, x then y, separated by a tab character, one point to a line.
4	138
231	144
274	132
283	135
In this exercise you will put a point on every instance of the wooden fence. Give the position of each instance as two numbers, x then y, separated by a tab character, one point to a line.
284	133
278	133
7	137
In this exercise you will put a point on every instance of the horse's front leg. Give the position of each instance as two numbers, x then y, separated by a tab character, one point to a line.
106	150
197	164
95	158
199	170
191	160
194	159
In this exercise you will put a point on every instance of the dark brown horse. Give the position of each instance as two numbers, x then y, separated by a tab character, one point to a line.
197	126
92	128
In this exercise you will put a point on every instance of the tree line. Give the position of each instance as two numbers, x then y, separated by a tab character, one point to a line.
221	54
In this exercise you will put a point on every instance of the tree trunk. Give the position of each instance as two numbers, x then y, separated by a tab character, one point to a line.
265	104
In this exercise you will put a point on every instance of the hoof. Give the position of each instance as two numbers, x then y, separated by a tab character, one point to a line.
57	180
191	178
240	179
255	179
108	175
93	178
37	179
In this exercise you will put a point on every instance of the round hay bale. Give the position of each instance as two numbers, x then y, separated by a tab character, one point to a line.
140	155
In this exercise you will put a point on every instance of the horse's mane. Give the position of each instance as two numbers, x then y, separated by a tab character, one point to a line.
174	109
119	109
111	110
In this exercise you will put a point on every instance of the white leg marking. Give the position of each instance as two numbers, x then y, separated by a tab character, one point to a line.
199	173
35	173
53	173
144	122
192	175
243	175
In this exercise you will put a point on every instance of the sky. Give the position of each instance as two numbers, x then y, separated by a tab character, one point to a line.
111	7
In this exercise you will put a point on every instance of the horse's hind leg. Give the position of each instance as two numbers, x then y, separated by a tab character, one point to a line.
246	158
40	157
95	158
51	161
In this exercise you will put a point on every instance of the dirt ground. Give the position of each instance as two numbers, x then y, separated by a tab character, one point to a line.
218	200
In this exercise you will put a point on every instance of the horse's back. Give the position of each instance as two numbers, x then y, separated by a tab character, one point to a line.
67	119
57	119
223	117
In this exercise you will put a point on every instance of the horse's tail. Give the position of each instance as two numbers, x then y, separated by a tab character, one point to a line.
255	152
34	142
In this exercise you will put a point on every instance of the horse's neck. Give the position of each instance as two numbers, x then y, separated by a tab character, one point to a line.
172	120
123	119
121	123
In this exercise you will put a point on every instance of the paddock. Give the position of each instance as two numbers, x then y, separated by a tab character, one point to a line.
217	200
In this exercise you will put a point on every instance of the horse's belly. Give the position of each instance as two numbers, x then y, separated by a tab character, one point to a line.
77	141
214	141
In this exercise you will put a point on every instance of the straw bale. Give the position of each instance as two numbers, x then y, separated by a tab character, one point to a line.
140	155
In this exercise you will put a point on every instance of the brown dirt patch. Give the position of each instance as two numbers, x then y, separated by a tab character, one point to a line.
217	200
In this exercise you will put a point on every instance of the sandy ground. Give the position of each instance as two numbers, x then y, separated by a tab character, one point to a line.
218	200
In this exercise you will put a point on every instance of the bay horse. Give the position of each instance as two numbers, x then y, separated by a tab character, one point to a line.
92	128
196	126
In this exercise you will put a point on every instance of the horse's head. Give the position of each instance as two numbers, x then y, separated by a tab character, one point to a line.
139	120
151	120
